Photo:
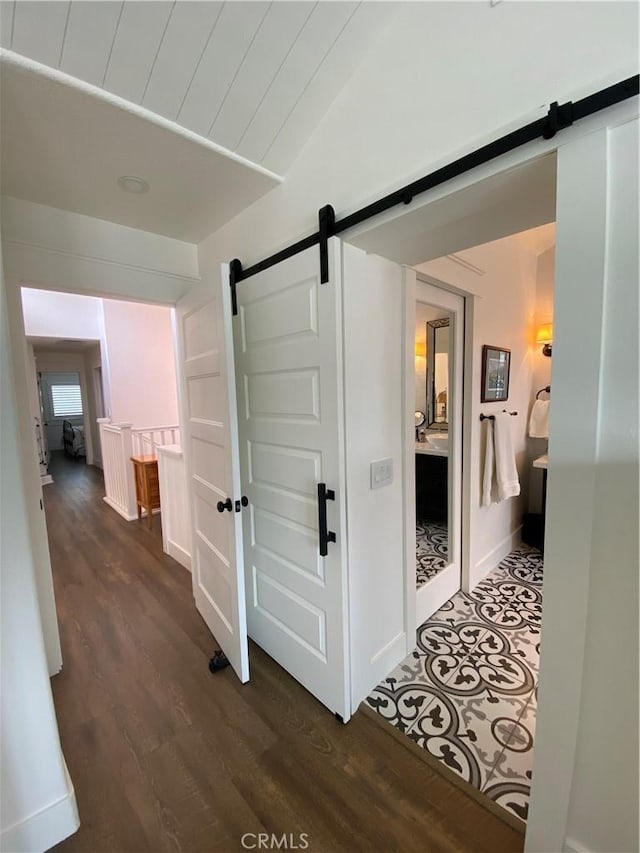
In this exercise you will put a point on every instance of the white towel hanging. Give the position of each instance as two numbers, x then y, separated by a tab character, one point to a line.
539	419
506	468
500	478
489	466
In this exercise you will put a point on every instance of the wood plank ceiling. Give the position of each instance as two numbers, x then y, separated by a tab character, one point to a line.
254	77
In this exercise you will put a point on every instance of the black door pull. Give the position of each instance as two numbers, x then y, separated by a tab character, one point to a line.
326	536
222	505
244	501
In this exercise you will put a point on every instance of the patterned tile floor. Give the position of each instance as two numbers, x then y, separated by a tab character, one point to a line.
467	694
432	548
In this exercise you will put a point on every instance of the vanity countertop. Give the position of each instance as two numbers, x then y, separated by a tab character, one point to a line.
541	462
427	450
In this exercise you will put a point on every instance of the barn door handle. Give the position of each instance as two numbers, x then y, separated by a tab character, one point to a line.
222	505
326	536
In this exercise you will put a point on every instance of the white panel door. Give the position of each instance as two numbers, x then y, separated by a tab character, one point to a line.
210	442
289	379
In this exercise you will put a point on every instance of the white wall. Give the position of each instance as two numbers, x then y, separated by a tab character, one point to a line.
67	316
38	802
503	316
373	419
605	797
93	361
142	373
47	247
541	365
32	381
585	774
409	106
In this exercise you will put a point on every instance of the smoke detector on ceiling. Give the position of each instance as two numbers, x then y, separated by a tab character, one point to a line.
131	184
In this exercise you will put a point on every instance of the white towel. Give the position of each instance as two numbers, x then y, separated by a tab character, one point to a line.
539	419
499	462
506	469
489	467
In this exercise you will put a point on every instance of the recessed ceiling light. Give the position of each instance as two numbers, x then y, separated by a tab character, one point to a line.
131	184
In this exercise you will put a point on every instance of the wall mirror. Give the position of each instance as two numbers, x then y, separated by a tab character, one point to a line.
438	373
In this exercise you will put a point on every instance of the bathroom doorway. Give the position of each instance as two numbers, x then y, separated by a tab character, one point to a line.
467	693
437	451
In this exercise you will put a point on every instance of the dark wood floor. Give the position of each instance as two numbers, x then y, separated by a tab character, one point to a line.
165	756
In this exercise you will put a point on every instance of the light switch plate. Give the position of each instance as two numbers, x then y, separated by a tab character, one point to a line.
381	473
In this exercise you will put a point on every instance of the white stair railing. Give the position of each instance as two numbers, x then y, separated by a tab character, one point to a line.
119	483
146	439
119	443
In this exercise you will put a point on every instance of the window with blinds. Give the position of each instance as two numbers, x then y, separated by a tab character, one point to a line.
66	400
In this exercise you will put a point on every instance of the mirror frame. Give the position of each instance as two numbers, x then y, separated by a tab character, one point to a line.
489	394
432	325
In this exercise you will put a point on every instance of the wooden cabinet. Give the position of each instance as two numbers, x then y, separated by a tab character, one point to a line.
147	486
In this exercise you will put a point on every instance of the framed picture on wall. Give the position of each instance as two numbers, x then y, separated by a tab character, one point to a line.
496	362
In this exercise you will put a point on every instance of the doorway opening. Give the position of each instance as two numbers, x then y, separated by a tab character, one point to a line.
437	451
466	693
102	391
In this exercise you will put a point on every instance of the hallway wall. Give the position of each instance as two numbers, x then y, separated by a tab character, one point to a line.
142	370
38	801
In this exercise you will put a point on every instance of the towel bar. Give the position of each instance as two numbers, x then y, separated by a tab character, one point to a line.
493	417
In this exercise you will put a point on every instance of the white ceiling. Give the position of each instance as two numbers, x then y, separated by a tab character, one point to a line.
64	148
515	201
42	344
254	77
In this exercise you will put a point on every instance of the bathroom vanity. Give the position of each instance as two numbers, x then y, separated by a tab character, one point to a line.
432	472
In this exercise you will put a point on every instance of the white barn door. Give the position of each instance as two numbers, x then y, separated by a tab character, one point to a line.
210	441
289	380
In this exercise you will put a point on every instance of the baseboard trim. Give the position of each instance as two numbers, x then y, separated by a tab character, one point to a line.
45	828
381	664
573	846
179	554
489	562
127	516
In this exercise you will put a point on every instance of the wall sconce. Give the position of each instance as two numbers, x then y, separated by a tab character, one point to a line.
545	336
421	349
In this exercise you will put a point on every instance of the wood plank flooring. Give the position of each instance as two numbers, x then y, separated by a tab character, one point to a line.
165	756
